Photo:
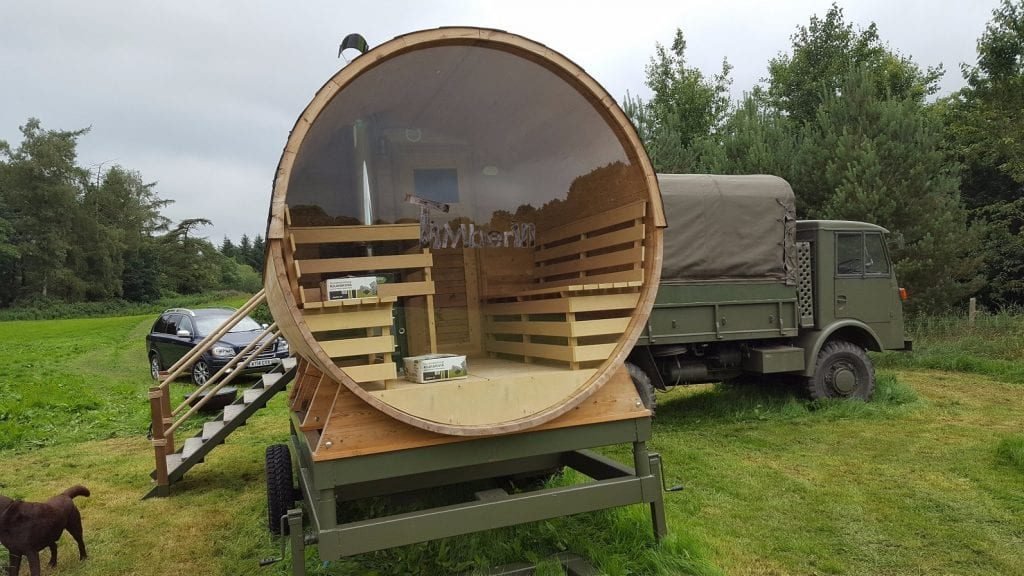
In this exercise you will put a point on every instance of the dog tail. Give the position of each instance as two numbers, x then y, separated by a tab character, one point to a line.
76	491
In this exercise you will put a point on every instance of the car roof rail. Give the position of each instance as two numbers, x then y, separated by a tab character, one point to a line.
180	311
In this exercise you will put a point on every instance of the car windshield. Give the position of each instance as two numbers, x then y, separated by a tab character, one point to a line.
207	324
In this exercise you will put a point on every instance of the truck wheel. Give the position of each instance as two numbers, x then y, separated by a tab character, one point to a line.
843	370
644	388
280	493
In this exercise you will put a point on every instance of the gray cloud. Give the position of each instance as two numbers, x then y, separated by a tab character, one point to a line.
200	96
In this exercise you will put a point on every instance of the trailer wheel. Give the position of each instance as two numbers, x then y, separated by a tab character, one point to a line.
643	385
280	492
842	370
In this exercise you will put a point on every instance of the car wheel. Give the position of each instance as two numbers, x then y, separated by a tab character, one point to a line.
200	372
154	365
280	492
644	387
843	370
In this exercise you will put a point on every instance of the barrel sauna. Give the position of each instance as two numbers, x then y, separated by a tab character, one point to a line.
473	193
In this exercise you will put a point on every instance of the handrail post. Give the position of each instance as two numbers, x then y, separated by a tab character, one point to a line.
159	442
167	419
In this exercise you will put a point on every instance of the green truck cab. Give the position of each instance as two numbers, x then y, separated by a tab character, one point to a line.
746	289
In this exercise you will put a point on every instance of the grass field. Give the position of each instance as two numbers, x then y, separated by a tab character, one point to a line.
928	479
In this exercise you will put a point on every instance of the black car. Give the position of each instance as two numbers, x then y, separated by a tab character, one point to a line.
178	330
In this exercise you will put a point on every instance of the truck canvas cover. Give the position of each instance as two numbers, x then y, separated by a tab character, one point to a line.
728	228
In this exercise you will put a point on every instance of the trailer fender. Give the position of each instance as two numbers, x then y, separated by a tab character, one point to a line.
853	331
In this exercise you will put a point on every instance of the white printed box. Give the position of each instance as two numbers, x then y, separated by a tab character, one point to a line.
435	367
347	288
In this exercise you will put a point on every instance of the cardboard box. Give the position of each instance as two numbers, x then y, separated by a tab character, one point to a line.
435	367
347	288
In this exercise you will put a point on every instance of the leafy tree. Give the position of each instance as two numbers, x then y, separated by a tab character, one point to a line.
869	158
985	128
823	54
679	124
140	280
988	112
756	140
41	187
188	264
228	248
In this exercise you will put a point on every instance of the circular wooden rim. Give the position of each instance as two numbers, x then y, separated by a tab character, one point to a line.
592	92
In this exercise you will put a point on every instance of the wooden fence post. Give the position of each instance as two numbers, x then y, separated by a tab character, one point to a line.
972	311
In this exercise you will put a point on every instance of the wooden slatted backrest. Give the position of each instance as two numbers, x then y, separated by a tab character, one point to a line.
313	236
604	248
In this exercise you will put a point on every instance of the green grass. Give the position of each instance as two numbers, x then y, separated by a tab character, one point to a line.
53	309
1010	451
993	346
928	478
80	379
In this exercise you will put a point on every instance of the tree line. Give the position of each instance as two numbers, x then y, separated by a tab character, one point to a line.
849	123
852	124
72	234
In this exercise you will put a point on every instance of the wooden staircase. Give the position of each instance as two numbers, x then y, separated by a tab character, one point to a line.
171	464
194	450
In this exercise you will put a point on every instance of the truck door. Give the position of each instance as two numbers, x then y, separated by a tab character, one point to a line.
862	278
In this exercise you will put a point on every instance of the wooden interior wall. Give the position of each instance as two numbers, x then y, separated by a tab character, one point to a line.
457	301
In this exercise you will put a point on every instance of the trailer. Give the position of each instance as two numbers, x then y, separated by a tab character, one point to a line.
463	246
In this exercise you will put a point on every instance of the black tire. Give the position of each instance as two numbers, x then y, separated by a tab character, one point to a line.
280	492
644	387
200	372
155	365
842	370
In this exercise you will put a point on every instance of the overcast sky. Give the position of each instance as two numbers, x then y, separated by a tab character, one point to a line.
199	96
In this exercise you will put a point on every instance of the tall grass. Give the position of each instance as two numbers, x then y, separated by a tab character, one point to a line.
993	345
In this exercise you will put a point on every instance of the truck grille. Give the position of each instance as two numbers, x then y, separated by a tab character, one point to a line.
805	283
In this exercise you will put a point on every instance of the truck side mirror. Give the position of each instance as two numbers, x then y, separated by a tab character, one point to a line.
184	334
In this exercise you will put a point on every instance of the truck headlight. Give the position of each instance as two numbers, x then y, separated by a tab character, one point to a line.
222	351
282	345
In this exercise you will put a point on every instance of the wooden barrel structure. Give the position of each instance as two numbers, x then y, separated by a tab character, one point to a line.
471	192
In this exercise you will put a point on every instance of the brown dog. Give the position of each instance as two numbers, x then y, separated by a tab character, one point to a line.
28	527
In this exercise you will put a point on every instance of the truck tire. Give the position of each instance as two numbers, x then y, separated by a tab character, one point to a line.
842	370
643	385
280	493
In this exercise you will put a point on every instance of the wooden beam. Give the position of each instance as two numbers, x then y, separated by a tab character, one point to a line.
364	263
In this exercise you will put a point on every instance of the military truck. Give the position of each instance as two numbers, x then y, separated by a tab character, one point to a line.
748	290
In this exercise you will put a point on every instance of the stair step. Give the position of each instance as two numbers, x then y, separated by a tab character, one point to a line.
270	379
289	363
191	445
250	396
211	428
232	410
173	460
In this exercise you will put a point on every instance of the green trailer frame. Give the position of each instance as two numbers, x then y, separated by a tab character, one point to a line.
324	484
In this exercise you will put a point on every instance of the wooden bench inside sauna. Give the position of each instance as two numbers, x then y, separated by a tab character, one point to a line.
514	223
539	319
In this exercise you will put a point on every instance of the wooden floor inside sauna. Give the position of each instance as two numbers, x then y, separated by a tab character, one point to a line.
496	390
483	369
